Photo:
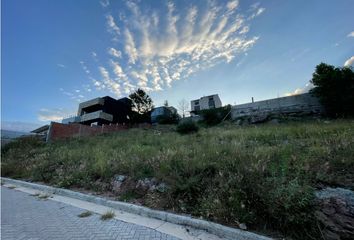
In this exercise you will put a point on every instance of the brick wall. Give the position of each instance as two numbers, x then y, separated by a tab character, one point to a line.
62	131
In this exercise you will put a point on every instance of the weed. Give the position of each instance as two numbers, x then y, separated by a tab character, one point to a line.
129	195
85	214
108	215
36	194
44	196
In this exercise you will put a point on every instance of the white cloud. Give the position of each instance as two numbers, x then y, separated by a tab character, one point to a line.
84	67
104	3
114	52
349	62
298	91
112	27
61	65
55	114
232	5
351	34
130	49
159	47
110	84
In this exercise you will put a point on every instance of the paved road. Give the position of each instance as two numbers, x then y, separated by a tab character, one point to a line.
25	217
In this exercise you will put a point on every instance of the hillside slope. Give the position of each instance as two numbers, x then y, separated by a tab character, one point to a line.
263	176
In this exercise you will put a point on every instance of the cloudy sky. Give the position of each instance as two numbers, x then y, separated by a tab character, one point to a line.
56	54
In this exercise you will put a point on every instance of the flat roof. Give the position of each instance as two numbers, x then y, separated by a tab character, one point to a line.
40	129
205	97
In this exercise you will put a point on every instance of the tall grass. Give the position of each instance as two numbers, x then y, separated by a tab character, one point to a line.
262	175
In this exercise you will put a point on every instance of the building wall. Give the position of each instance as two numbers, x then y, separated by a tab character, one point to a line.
204	102
303	103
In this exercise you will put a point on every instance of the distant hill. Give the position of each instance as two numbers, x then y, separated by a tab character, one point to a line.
8	134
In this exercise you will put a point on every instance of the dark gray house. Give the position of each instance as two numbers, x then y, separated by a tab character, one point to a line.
103	110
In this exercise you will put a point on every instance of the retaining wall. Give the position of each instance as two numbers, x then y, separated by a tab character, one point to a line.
62	131
302	103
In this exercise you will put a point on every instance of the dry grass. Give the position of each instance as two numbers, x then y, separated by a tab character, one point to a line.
108	215
85	214
36	194
44	196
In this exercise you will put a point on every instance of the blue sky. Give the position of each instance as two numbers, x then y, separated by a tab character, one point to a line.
56	54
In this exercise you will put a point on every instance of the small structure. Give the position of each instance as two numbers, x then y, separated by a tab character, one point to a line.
42	132
102	110
207	102
162	112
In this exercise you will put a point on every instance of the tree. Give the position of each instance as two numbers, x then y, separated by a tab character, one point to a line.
142	103
165	103
334	87
183	106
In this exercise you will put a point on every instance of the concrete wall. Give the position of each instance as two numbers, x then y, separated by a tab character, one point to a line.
203	102
302	103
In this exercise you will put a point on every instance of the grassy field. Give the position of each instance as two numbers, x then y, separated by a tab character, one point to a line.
264	176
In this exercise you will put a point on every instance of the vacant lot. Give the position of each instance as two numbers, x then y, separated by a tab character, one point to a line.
264	176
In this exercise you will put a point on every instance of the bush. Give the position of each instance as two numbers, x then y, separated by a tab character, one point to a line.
215	116
172	119
187	127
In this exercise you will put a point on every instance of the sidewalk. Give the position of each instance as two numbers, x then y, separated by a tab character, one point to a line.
56	218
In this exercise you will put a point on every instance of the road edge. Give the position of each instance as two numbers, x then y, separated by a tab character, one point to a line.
211	227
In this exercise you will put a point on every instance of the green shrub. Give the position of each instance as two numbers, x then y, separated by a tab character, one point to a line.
187	127
215	116
172	119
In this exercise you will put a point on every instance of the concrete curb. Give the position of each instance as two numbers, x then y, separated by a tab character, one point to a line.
214	228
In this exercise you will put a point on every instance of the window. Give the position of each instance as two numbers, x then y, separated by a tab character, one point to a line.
211	102
197	108
196	103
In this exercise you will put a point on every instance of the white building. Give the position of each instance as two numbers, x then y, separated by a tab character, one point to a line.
207	102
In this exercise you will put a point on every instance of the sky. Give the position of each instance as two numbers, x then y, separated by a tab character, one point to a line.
58	53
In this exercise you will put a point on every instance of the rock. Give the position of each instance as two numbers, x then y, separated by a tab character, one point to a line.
117	183
142	186
162	187
120	178
258	118
239	122
242	226
335	212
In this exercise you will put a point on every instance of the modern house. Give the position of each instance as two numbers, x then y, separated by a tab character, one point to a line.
102	110
207	102
42	132
162	112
